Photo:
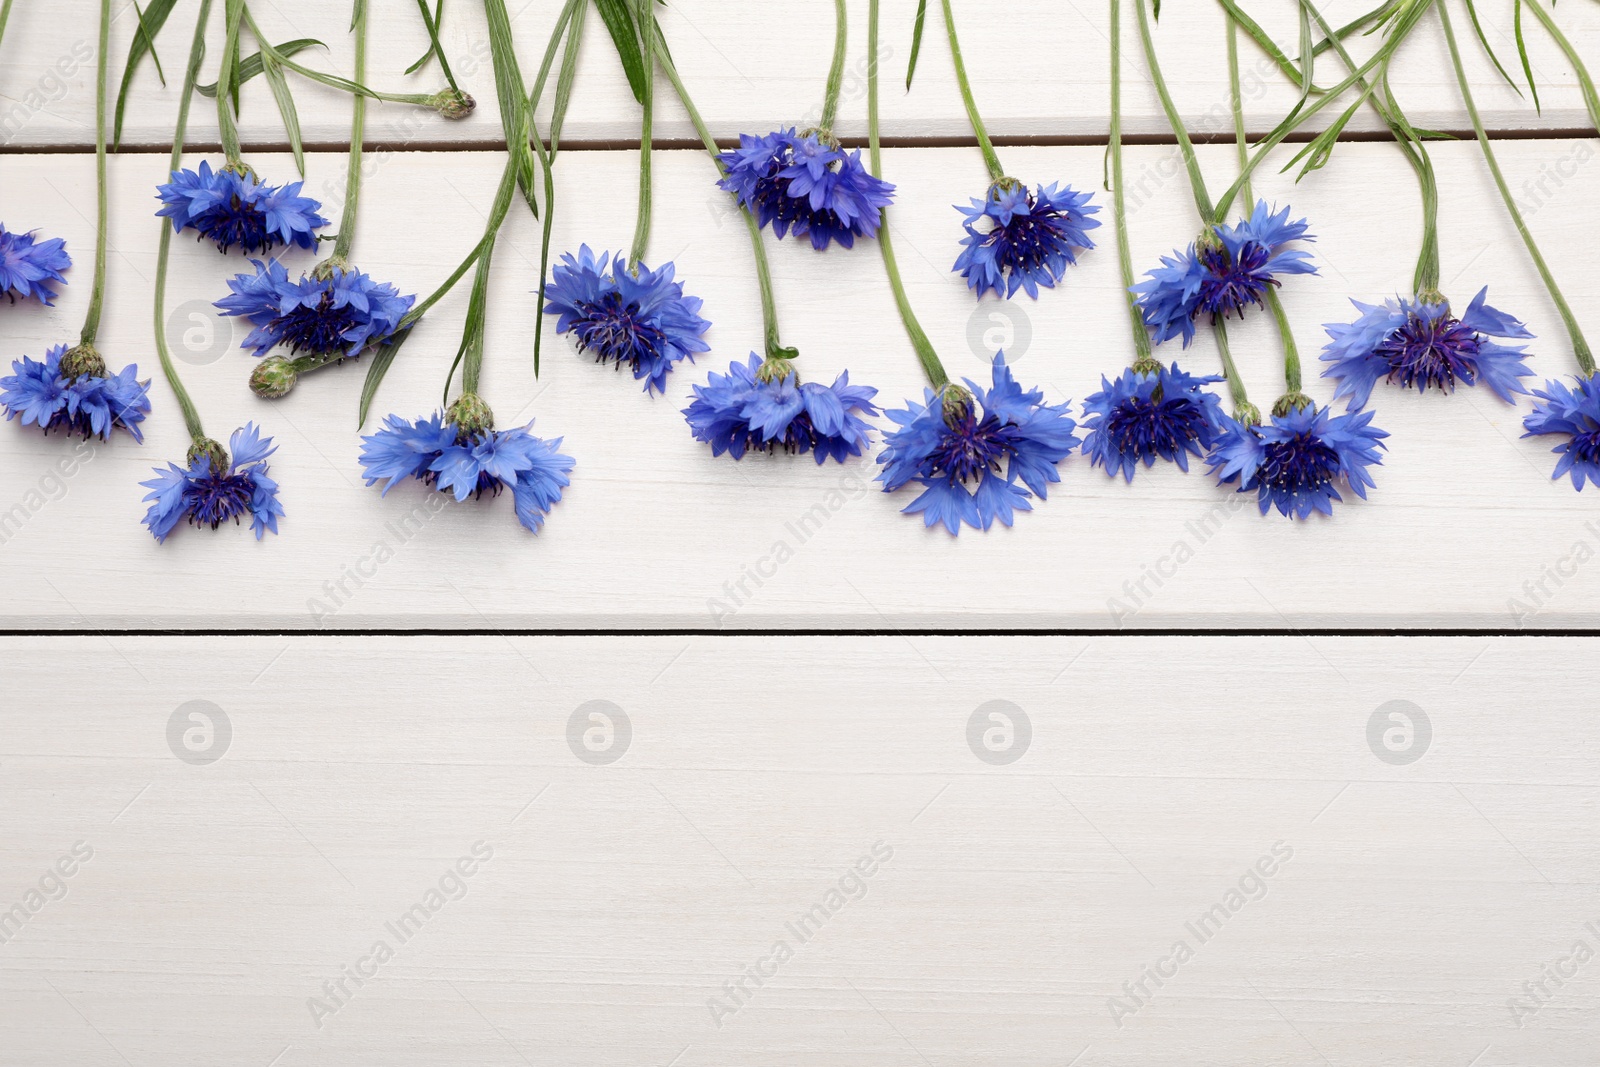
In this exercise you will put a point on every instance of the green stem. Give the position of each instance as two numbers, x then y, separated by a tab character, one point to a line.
1197	182
769	307
358	127
919	339
992	161
1580	346
91	321
641	230
1291	353
1396	36
1242	408
5	14
1119	208
841	36
234	12
438	49
197	50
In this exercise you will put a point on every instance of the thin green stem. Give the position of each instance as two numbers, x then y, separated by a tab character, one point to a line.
1580	346
234	13
197	50
1197	182
358	129
769	307
1119	207
641	230
919	339
841	37
1242	408
1291	353
992	161
5	14
91	321
433	35
1397	35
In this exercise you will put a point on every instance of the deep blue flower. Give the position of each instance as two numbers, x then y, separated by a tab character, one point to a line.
1296	462
231	208
802	184
1148	413
212	489
26	265
1418	343
744	411
641	320
1573	411
332	309
968	448
1223	273
1021	240
86	403
441	454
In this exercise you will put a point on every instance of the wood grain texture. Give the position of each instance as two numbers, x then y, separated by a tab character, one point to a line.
1042	70
1466	527
1415	902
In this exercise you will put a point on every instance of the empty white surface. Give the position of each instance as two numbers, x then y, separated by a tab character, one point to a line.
1417	901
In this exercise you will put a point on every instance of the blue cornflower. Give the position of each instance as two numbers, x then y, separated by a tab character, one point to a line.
26	265
460	452
1295	462
1021	240
1418	343
233	208
1225	271
1150	411
1575	412
808	185
766	406
84	399
642	320
990	437
211	489
334	308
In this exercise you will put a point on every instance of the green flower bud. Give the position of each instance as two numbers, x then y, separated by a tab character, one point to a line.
452	103
82	360
471	416
205	446
273	377
957	402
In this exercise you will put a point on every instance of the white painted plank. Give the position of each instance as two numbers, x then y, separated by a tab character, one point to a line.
656	532
1415	901
1040	71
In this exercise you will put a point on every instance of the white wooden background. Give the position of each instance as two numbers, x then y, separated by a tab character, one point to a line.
333	779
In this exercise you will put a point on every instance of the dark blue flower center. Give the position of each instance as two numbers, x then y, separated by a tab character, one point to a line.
1233	284
1028	242
1585	447
616	331
1303	462
1428	351
217	498
969	448
318	329
239	224
1143	426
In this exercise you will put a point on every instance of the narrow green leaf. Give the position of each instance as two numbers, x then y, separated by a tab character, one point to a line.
151	19
625	35
916	40
291	118
378	362
565	78
512	95
1477	28
433	22
252	65
1522	50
